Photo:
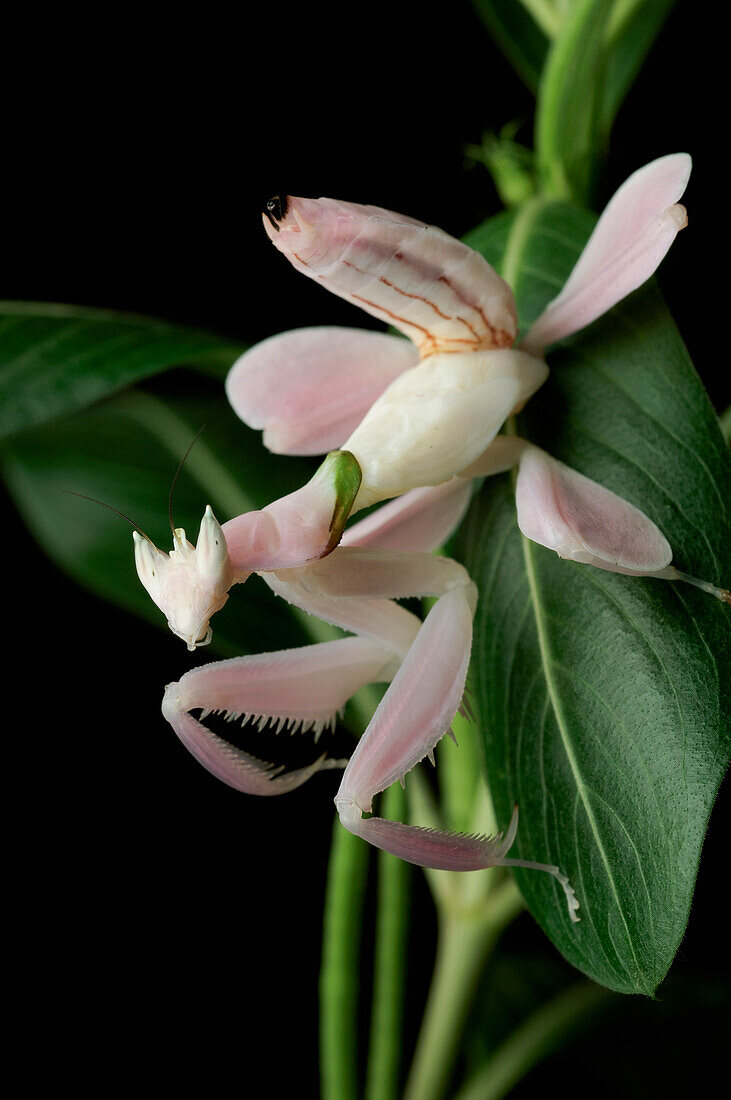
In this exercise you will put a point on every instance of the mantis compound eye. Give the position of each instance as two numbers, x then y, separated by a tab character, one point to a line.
276	210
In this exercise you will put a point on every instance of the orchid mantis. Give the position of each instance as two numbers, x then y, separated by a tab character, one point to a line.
385	557
415	420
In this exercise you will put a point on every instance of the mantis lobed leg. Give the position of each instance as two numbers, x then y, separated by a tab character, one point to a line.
633	234
309	388
565	511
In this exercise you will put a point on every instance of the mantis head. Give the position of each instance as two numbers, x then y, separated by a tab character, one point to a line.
190	583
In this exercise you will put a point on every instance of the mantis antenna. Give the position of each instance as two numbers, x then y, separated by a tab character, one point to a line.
111	508
177	473
83	496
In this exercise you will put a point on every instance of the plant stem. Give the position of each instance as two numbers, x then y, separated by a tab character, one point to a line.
567	135
621	14
545	15
394	879
340	969
459	768
465	940
541	1033
520	236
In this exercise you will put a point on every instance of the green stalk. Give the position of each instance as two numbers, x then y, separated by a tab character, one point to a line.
465	941
545	15
386	1039
622	12
520	236
343	917
473	909
568	104
548	1028
340	969
459	768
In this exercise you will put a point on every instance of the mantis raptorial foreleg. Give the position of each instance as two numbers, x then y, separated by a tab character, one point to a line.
425	663
300	689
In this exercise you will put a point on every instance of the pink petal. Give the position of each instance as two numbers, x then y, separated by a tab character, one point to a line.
441	294
631	238
310	388
579	519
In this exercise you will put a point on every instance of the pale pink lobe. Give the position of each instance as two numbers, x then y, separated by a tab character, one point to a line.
383	620
630	240
503	453
310	388
422	519
579	519
296	688
289	532
356	587
376	573
439	292
419	706
297	528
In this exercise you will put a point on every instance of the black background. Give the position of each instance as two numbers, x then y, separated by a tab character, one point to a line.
174	925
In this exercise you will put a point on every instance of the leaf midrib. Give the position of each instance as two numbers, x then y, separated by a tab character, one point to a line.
511	267
555	699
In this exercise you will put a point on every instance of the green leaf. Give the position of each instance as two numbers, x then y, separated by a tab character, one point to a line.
55	359
581	61
633	28
568	111
605	699
124	452
520	38
726	425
